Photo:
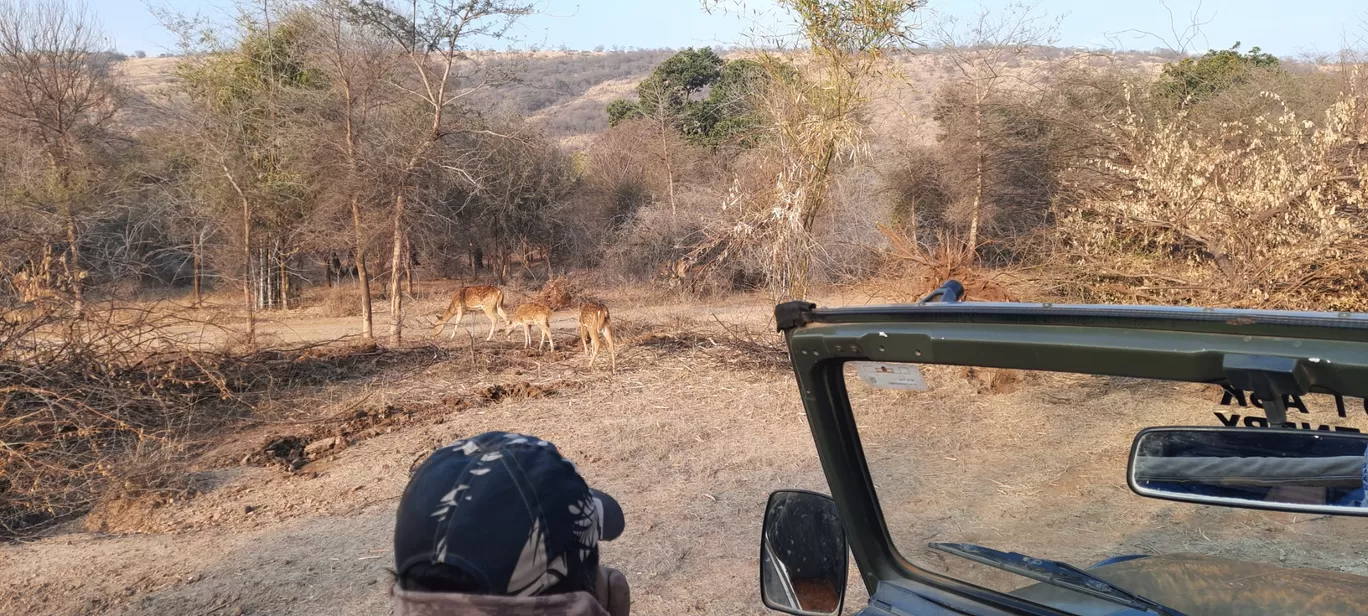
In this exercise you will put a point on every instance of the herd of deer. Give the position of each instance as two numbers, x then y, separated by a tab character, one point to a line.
594	322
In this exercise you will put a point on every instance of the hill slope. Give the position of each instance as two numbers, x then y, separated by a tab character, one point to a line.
566	92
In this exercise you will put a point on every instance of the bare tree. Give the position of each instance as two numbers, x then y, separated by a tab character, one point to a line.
981	53
663	119
435	37
814	119
1183	31
360	68
56	90
524	180
235	110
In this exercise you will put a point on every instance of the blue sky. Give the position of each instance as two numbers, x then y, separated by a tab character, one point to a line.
1282	27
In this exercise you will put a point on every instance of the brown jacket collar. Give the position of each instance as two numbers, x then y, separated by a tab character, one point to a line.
414	603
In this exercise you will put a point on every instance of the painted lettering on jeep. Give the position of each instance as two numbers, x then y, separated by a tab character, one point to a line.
1235	397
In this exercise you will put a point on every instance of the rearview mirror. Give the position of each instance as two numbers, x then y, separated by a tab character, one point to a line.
1279	469
802	554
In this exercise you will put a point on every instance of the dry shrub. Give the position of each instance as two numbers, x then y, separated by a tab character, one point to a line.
559	293
77	393
154	475
656	238
101	407
734	347
1262	213
918	185
341	302
920	269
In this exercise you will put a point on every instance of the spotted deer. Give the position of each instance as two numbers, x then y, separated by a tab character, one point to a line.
530	314
594	321
486	298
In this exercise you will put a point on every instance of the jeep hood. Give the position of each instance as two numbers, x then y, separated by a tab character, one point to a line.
1199	585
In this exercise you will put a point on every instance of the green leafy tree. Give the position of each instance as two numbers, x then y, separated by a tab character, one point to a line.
1195	79
679	78
728	113
621	110
674	94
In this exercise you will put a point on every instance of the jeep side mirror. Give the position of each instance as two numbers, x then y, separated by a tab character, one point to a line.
803	557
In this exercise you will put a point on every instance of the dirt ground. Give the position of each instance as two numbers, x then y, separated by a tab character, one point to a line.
691	434
688	440
1036	464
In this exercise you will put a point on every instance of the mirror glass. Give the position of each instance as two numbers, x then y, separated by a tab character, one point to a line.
1284	470
802	554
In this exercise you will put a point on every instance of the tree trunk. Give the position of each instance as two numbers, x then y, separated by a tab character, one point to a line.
246	254
912	226
669	171
328	271
396	265
408	267
284	279
978	181
247	265
195	269
367	331
263	286
75	274
501	265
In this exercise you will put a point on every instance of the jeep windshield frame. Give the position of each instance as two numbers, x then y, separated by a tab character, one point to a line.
1282	352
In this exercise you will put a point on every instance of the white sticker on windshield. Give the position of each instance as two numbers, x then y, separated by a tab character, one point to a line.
906	377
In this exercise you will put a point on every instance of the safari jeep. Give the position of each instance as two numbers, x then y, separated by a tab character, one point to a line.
1083	460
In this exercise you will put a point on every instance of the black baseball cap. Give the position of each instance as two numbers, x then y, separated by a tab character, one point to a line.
507	514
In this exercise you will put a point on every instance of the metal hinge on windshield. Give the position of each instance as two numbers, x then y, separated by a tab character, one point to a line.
1273	379
790	315
950	292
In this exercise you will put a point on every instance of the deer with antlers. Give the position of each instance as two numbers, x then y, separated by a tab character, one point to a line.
595	322
527	315
486	298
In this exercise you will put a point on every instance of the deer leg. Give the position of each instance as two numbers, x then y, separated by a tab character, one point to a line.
593	354
612	351
493	323
460	312
546	331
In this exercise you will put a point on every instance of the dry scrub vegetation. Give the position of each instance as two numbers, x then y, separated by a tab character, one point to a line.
111	405
1259	212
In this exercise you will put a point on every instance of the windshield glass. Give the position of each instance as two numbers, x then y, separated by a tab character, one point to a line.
1036	463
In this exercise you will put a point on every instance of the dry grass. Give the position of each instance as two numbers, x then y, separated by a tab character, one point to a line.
103	406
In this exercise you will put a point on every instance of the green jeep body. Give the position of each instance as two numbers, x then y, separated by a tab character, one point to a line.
1273	354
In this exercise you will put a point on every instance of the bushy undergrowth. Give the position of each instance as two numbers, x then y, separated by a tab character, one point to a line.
1265	211
110	403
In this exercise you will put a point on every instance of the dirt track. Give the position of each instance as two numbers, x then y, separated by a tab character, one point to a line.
691	439
689	447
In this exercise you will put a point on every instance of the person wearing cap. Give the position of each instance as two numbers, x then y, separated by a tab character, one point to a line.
502	525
